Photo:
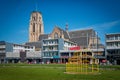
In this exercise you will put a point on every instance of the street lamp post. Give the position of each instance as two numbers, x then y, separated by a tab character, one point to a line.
97	46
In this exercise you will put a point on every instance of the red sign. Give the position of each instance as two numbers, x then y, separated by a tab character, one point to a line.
104	61
75	48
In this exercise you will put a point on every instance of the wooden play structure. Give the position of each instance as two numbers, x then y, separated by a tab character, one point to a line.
82	62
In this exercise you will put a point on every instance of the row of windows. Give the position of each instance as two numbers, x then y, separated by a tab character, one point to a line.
50	48
35	18
50	54
68	44
28	47
113	52
116	37
17	45
115	44
20	47
50	42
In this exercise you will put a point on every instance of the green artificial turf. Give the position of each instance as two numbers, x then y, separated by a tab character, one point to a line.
53	72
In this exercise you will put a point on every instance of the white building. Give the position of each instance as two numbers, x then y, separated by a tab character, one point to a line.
10	52
113	48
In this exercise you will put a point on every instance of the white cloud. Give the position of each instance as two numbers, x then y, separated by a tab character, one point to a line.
102	26
105	26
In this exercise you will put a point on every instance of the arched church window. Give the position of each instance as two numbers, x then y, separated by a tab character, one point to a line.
33	18
33	27
56	35
40	27
39	18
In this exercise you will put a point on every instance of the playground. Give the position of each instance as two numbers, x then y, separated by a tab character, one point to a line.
82	62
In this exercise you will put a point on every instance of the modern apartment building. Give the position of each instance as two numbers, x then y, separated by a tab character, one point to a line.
113	48
10	52
51	49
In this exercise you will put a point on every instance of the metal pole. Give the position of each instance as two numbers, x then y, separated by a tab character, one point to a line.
87	40
97	49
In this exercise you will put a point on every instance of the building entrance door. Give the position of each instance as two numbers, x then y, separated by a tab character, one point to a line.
118	62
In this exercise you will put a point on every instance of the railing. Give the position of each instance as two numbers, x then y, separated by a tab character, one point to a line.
2	46
47	50
99	49
113	47
2	51
112	40
49	44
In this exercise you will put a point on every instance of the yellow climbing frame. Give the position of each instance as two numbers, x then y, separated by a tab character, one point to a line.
82	62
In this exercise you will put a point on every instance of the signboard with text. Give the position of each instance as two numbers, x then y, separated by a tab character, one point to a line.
75	48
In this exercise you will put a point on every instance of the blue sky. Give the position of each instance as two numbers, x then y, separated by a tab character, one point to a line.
101	15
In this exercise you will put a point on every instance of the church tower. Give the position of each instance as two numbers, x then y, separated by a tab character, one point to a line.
36	27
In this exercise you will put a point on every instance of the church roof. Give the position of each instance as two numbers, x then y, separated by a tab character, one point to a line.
82	33
43	36
81	36
81	41
36	44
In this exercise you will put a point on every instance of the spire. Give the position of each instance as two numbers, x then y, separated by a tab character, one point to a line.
36	6
66	28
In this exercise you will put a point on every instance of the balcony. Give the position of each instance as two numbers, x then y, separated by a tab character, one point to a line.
2	46
50	44
99	49
2	51
113	40
47	57
112	47
50	50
